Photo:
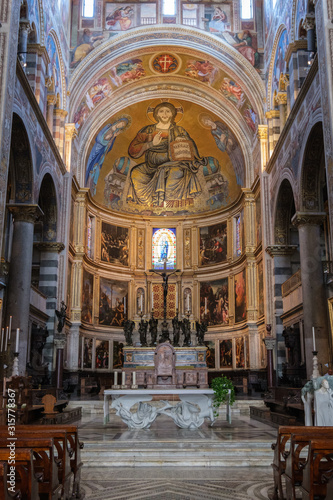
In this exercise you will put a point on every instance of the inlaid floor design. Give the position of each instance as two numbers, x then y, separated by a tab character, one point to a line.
166	483
175	483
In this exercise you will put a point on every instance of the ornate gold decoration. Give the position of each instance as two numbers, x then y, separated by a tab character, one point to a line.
141	247
25	212
70	131
281	98
51	246
51	99
274	113
277	250
294	47
187	247
262	132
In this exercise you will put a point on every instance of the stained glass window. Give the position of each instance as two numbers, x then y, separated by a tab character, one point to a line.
164	248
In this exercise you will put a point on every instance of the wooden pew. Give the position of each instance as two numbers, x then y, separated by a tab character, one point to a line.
318	470
295	462
63	451
44	463
3	484
25	477
281	449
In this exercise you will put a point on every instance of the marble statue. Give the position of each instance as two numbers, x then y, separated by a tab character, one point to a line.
142	418
191	411
323	404
307	398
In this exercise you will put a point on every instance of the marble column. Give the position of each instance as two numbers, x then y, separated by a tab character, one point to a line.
70	134
23	40
19	280
281	99
270	346
51	102
314	296
309	26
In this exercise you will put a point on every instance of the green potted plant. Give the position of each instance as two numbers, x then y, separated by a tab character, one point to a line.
221	386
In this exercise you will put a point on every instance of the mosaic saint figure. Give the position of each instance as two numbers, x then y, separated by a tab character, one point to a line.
172	160
103	144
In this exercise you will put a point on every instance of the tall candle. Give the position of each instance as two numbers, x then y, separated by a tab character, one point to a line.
115	378
6	339
17	340
152	299
10	326
314	338
205	305
123	375
134	378
141	303
2	338
124	305
176	296
188	301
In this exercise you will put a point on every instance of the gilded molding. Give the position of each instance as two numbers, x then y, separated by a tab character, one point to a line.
274	113
308	218
50	246
70	131
262	133
187	245
294	47
281	98
51	99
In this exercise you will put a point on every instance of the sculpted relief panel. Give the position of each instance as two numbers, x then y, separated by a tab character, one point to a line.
165	157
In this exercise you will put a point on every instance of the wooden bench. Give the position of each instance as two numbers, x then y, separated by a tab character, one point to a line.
26	481
318	470
44	462
3	484
63	451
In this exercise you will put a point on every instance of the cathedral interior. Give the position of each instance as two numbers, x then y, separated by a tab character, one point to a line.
166	162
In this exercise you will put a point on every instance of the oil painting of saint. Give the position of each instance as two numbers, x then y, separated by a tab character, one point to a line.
114	244
103	144
120	19
171	161
214	302
213	244
226	353
240	297
113	300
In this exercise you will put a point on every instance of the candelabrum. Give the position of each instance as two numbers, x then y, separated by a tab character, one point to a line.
315	372
115	381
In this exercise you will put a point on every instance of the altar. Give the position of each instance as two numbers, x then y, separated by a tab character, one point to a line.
189	413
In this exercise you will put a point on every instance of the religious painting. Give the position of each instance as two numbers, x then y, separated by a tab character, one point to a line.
165	63
164	168
118	355
158	300
260	288
213	244
87	353
100	89
240	353
88	40
240	296
232	91
279	63
54	70
246	43
87	297
204	71
258	220
164	248
102	354
127	71
214	302
123	16
226	353
112	302
218	17
114	244
210	354
250	116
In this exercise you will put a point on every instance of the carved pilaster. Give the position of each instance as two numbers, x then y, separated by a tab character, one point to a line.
309	22
80	221
141	249
70	134
249	218
262	135
187	248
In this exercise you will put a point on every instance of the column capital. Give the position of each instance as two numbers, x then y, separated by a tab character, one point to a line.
49	246
25	212
262	133
280	250
70	131
269	343
309	21
51	99
281	98
60	341
49	83
60	112
308	218
25	25
274	113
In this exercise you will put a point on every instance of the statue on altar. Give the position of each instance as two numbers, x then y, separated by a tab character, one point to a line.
186	329
201	330
143	326
142	418
176	330
191	411
153	322
128	331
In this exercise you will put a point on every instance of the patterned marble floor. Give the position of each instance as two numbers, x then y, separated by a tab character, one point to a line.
176	483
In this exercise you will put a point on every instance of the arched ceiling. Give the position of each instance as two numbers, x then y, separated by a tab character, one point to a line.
206	72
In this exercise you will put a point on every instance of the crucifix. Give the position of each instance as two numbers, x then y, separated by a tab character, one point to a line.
165	275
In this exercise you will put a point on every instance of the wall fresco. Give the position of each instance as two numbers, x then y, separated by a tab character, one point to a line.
226	353
171	160
240	297
214	302
114	244
102	354
279	62
112	302
210	354
87	297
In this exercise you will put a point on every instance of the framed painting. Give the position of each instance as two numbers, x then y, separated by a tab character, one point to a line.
213	244
226	353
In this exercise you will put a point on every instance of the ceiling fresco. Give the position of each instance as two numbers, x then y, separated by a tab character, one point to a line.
146	66
165	156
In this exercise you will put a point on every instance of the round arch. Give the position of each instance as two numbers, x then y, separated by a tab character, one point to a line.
284	210
21	161
47	201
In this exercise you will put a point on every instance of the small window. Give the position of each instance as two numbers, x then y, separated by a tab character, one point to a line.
88	8
169	7
246	9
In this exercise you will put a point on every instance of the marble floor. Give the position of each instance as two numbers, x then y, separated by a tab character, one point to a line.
148	477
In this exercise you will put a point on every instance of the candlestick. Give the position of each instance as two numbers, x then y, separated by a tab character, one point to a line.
141	303
124	305
17	340
2	337
6	339
152	299
205	305
10	326
314	338
134	378
115	378
123	375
